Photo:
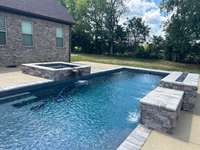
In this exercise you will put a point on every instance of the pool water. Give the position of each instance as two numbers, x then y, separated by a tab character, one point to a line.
97	116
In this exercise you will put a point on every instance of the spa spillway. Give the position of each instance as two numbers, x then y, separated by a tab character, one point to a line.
56	70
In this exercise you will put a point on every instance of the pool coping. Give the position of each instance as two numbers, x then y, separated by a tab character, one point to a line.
172	79
39	66
136	138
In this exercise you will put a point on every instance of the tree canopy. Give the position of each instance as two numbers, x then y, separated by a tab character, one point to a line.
183	30
98	30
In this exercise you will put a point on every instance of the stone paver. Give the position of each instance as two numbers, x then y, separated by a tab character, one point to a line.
190	80
163	98
136	139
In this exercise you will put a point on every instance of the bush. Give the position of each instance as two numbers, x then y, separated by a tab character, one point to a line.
77	49
148	51
192	58
142	52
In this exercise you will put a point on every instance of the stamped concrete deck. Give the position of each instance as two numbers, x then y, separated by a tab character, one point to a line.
186	135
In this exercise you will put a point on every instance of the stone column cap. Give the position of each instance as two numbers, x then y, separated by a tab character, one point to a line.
191	79
165	98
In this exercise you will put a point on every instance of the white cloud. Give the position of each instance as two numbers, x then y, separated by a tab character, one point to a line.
152	17
149	11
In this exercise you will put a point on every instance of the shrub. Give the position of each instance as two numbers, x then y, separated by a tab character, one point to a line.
192	58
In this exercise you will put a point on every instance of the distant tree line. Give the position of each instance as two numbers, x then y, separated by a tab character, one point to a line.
98	30
183	30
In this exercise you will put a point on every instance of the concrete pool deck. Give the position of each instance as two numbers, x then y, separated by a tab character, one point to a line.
186	135
12	78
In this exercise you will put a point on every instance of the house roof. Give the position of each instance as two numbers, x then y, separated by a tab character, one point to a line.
50	10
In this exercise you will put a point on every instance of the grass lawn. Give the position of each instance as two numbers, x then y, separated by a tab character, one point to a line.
144	63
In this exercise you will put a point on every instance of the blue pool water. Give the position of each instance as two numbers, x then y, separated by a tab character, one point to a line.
97	116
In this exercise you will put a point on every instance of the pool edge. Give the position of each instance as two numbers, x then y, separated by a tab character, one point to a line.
136	139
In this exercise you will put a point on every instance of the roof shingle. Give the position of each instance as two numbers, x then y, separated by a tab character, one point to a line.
45	9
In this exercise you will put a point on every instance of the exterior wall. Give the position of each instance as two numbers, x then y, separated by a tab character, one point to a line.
44	42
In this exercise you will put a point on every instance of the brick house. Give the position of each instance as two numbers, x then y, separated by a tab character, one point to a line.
34	31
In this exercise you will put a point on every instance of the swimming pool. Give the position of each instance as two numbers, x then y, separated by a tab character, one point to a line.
98	115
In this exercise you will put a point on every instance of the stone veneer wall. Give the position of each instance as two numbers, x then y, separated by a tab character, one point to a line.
44	42
57	74
159	118
190	94
161	108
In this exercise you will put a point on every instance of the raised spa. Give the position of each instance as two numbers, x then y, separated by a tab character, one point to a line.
56	70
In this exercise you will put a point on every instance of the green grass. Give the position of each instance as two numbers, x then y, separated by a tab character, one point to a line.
144	63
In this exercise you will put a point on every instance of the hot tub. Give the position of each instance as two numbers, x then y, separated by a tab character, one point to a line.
56	70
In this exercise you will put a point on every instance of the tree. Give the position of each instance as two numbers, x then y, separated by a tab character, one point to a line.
97	29
183	29
96	16
71	7
81	37
114	9
158	46
138	31
121	44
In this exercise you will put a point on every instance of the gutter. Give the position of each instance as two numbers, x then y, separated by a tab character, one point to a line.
33	15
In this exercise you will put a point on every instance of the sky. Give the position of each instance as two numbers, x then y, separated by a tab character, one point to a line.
149	11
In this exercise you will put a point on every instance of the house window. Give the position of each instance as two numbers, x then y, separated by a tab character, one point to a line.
27	33
59	37
2	30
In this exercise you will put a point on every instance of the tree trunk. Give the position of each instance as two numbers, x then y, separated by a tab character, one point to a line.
111	47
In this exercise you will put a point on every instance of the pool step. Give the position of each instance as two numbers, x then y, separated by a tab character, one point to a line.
25	101
14	97
38	105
